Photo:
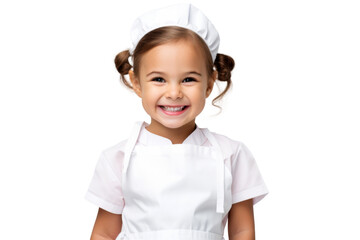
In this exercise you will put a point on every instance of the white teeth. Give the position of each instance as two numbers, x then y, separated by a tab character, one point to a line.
173	109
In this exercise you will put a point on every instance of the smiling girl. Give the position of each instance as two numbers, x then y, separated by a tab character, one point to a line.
171	179
173	89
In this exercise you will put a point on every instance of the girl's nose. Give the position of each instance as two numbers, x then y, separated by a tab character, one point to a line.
174	91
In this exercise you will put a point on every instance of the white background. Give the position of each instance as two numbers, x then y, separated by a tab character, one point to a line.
294	103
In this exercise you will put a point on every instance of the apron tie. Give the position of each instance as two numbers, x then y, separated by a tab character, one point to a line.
130	145
220	175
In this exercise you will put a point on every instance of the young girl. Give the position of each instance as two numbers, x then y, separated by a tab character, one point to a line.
172	180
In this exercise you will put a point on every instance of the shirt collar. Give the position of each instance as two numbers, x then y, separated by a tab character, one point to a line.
197	137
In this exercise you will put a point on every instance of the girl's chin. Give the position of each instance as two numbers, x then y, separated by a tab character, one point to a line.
173	124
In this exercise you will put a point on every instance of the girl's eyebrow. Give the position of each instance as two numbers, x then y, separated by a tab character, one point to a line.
154	72
157	72
193	72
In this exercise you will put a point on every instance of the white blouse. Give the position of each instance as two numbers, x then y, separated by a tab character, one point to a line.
105	189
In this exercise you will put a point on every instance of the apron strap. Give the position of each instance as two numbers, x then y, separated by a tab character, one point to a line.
220	168
131	142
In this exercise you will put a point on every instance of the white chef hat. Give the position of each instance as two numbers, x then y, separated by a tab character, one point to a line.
182	15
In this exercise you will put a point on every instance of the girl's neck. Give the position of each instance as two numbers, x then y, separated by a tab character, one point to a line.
175	135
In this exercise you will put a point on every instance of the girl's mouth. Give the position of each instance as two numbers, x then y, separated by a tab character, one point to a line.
173	110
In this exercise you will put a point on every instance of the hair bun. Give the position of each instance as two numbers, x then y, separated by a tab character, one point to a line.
224	64
123	66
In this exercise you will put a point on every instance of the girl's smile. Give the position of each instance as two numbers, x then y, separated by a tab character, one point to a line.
173	110
173	84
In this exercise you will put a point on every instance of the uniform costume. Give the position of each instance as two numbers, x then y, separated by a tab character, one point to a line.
168	191
175	191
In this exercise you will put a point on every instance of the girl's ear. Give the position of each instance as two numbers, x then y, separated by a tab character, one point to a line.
211	83
135	83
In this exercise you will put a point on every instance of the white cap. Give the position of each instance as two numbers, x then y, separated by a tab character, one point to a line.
181	15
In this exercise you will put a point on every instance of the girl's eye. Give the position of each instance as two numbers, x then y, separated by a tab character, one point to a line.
158	79
189	79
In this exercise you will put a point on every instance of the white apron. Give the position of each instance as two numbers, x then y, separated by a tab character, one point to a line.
174	192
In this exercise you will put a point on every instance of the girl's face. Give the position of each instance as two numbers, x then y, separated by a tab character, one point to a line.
173	84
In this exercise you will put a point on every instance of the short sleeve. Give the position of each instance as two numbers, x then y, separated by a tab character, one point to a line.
105	187
247	180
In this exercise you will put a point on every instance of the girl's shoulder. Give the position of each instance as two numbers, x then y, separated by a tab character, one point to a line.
116	151
228	145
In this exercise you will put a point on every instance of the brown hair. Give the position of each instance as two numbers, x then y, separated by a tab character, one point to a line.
224	64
